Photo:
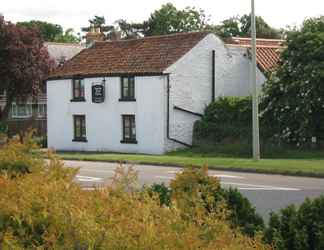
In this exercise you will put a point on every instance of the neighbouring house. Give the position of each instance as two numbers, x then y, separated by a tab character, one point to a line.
143	95
33	112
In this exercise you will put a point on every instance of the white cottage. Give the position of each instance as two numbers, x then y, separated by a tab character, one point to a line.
141	95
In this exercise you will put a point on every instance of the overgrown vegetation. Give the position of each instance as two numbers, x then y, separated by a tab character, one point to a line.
44	209
195	185
18	158
293	103
298	228
226	120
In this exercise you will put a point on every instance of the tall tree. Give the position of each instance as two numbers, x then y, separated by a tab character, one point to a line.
51	32
47	30
98	22
293	99
166	20
67	37
131	30
241	26
263	29
24	63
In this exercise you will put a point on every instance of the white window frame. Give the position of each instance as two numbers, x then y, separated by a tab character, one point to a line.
41	113
14	110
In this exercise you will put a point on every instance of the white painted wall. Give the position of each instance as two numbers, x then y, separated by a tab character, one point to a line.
103	121
191	83
236	76
191	87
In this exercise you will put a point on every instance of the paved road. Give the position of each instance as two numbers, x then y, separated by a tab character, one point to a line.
266	192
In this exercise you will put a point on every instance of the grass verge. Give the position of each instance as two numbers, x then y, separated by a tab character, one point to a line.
311	167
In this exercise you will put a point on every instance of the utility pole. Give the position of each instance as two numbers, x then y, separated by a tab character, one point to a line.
255	96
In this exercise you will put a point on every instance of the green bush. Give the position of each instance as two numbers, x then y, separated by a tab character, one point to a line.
162	191
298	228
193	182
228	119
46	209
3	128
41	141
18	157
243	214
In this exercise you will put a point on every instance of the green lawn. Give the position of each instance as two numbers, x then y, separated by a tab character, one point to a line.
305	165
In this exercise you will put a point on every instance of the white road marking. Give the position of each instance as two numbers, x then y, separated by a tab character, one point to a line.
164	177
98	171
174	171
259	187
214	175
83	178
228	176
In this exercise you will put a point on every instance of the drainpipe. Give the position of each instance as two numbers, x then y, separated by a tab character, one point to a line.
213	75
168	116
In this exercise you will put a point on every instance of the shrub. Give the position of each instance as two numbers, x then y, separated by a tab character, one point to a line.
298	228
47	210
226	119
18	157
3	128
243	214
163	192
41	141
193	187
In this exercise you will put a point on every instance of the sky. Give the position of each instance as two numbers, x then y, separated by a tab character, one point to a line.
75	14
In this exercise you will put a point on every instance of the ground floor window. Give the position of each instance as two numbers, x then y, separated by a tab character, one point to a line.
129	129
41	110
79	122
21	110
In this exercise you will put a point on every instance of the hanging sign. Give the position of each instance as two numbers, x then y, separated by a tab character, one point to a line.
98	93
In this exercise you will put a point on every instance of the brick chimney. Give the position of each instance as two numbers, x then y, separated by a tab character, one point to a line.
94	35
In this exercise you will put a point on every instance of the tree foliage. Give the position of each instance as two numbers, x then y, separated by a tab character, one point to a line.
46	209
298	228
67	36
293	100
226	119
193	187
51	32
241	27
24	63
48	31
98	22
166	20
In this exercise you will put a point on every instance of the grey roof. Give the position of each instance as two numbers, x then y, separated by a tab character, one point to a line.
66	51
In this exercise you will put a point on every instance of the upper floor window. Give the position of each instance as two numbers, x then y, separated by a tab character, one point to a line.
78	90
21	110
128	88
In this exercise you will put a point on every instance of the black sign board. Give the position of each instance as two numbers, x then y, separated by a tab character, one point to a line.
98	93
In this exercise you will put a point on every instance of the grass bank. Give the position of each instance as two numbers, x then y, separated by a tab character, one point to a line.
302	165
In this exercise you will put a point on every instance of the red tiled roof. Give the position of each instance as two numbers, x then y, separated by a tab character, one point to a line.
149	55
268	51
